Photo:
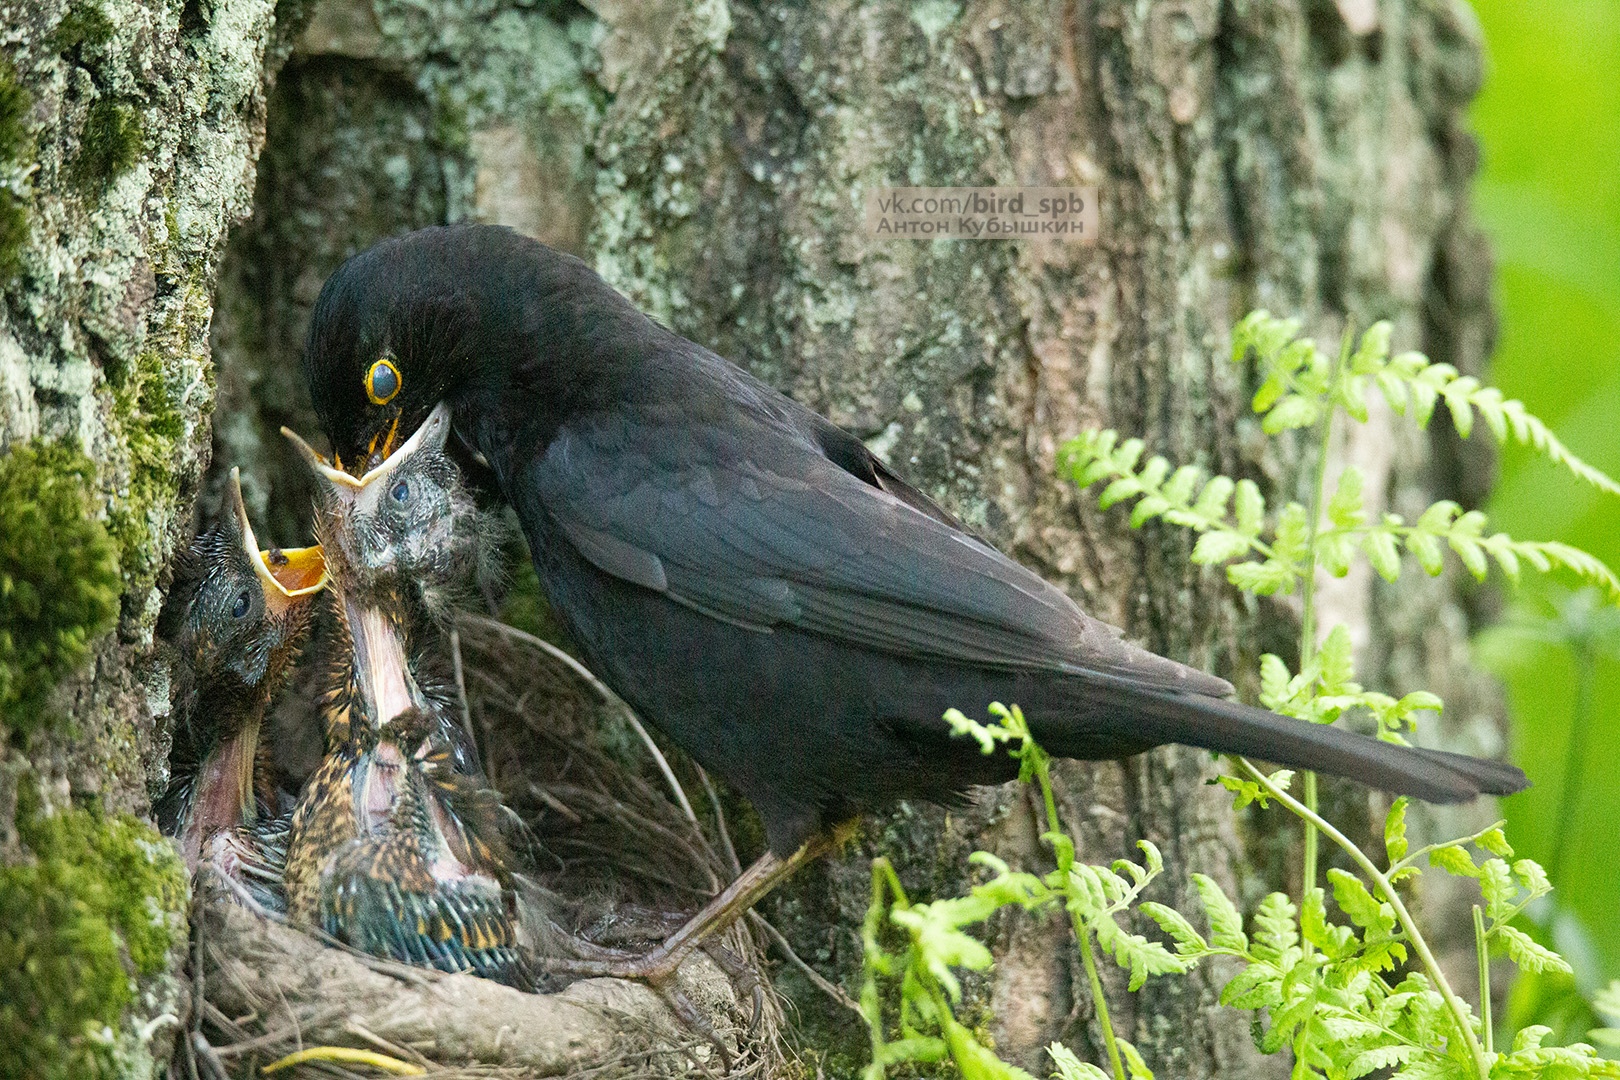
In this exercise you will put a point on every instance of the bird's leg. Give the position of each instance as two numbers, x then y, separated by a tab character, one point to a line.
717	916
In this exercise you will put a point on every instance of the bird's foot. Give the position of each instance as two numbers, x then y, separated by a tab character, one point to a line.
655	967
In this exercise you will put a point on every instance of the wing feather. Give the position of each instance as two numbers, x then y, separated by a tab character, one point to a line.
754	526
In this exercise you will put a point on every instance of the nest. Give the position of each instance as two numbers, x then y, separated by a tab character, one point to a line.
610	849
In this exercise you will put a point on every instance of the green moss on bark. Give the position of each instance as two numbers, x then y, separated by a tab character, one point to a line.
96	905
59	579
149	407
109	146
84	24
16	155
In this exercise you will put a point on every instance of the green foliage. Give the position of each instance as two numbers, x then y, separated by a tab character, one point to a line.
1326	689
1607	1004
1349	996
95	904
1549	122
59	581
1301	387
935	940
1301	384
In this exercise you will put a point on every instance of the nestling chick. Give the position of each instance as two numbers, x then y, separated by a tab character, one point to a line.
236	616
428	885
395	844
410	523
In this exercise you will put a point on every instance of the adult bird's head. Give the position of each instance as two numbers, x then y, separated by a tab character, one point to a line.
482	318
237	610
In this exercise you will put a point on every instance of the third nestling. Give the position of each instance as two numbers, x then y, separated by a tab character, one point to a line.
429	884
236	616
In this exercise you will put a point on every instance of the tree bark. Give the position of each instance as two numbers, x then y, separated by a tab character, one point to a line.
711	160
128	137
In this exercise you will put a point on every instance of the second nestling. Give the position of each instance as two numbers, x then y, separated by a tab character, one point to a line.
237	617
395	844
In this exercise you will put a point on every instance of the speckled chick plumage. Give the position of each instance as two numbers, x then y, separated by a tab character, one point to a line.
395	843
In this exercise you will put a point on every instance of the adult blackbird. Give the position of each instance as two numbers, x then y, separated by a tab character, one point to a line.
746	574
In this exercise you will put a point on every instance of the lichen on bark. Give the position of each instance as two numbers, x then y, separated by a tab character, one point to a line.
128	135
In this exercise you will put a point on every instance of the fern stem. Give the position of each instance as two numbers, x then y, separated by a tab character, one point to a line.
1308	871
1454	1005
871	1007
1088	958
1043	778
1484	952
1569	790
1307	595
1412	857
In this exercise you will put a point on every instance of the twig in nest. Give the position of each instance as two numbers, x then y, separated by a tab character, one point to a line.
461	694
204	1052
550	650
817	979
346	1054
669	775
365	1034
719	819
611	698
539	792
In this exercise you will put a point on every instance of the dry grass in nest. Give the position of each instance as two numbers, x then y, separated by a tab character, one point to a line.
611	849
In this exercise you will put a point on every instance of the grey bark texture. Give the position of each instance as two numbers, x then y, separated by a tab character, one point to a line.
710	159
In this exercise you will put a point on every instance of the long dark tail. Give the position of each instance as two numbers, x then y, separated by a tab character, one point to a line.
1153	717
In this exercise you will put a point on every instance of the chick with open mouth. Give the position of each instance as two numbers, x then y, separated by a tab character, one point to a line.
237	616
395	843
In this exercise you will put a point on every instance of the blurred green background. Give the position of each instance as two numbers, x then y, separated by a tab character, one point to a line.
1549	196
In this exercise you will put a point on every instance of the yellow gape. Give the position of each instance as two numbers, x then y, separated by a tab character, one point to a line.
382	382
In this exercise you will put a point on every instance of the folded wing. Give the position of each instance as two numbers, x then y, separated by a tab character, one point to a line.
751	522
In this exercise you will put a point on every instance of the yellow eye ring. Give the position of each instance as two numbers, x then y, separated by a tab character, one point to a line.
383	382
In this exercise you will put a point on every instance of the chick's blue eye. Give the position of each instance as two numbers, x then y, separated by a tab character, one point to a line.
401	491
243	601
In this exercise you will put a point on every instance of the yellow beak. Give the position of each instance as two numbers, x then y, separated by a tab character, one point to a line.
286	575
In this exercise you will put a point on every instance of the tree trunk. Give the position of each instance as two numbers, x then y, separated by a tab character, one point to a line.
128	136
711	160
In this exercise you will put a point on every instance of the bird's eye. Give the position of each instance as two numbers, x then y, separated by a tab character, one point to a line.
401	491
382	382
244	600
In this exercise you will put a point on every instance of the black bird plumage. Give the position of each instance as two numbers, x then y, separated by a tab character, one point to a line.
746	574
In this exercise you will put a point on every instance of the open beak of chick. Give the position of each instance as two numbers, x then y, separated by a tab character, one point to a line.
364	491
381	665
288	577
224	788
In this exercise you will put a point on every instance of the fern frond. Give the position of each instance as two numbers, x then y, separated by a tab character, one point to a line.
1299	382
